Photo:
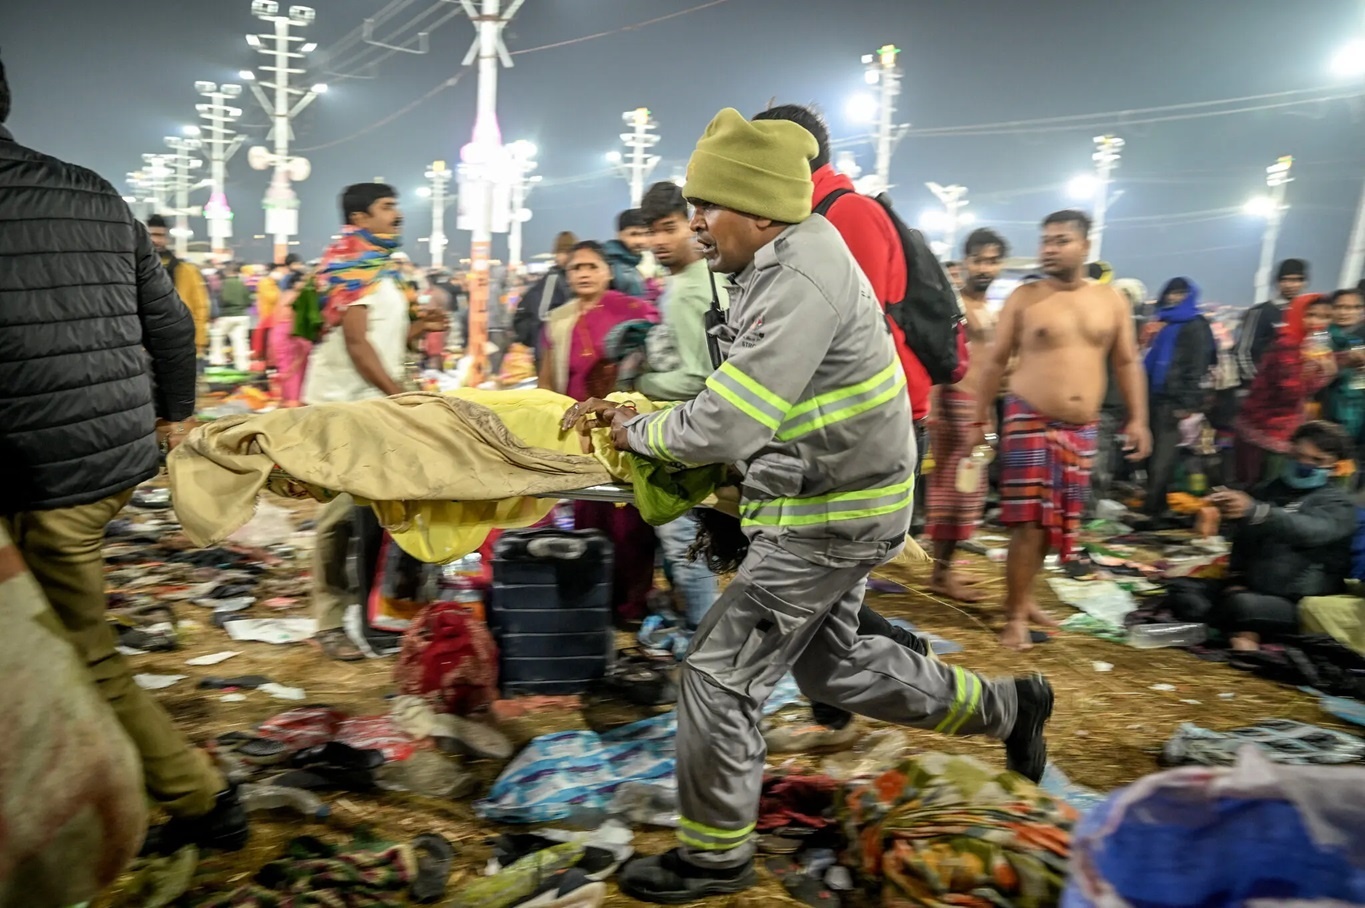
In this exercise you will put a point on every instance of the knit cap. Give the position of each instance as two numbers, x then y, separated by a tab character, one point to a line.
760	168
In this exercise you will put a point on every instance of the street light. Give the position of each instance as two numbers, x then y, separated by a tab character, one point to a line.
862	108
613	157
1349	62
1082	188
423	192
933	220
1261	206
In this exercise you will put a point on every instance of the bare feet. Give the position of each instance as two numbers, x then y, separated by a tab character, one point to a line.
951	586
1016	636
1038	616
1245	643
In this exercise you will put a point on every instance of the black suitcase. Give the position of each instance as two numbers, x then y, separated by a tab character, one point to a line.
550	610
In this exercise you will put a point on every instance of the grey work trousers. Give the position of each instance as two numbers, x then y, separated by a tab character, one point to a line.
784	612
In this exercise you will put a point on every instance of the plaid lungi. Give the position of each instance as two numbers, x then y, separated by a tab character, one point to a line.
1044	472
952	515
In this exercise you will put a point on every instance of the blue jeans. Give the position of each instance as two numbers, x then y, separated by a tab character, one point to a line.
692	581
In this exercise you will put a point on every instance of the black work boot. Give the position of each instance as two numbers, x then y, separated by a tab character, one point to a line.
224	828
669	879
1026	748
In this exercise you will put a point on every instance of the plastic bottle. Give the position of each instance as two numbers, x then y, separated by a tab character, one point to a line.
278	797
1318	346
1155	636
971	469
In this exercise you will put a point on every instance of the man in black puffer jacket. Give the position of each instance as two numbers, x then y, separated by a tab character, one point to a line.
96	354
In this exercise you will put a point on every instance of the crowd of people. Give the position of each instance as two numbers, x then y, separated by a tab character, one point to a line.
760	301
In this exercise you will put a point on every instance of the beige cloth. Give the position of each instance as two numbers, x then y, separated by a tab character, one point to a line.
72	803
1342	617
397	451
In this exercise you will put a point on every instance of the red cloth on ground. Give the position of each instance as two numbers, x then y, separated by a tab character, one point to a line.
796	800
875	244
952	515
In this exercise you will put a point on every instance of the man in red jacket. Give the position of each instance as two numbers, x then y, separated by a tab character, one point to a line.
875	244
872	239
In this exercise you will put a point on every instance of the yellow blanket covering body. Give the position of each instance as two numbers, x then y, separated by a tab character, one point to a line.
440	470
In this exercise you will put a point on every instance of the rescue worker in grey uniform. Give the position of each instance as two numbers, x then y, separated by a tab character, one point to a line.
810	404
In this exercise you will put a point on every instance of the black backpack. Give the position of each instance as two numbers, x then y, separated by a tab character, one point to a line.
930	315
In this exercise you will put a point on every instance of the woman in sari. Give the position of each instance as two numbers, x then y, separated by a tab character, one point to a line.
288	352
576	364
1289	375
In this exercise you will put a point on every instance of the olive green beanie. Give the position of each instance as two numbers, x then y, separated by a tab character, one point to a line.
760	168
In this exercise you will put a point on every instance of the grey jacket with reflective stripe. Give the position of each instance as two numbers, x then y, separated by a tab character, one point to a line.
810	402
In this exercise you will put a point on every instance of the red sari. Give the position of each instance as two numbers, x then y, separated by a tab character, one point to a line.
1275	405
575	341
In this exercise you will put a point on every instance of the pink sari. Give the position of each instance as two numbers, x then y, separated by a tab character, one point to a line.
288	353
582	336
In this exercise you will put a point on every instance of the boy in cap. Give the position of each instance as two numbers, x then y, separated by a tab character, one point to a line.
810	403
1261	324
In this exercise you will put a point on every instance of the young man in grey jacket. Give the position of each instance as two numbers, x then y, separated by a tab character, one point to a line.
810	404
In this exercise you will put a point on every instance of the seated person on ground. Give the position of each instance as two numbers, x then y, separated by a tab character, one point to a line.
1291	538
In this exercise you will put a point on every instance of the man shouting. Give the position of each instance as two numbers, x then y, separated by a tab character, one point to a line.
810	403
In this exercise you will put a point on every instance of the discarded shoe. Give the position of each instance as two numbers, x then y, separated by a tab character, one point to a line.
458	735
787	731
434	857
224	828
514	885
251	749
642	679
570	889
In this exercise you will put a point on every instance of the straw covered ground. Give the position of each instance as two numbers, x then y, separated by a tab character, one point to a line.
1107	729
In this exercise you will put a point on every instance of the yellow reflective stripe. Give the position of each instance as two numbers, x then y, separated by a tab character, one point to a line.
768	397
820	411
699	835
713	832
972	703
655	438
959	697
748	396
705	845
830	508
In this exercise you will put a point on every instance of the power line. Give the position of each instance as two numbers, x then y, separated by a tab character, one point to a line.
448	83
1127	117
617	31
453	80
356	64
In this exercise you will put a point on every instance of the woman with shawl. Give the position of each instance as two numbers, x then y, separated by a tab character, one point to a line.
1344	400
1178	361
577	363
1289	375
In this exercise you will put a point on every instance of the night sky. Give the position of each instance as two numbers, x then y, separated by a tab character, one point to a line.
100	82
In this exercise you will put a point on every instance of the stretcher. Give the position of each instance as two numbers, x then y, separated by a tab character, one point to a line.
616	493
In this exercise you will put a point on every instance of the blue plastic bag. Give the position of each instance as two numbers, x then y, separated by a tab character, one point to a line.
1224	836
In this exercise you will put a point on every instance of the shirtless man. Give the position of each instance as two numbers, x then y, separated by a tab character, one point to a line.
1061	330
952	514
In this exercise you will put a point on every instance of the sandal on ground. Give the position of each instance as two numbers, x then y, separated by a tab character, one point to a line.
336	645
434	858
641	679
253	750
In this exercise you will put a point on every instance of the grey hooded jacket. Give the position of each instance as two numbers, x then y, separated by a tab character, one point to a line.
809	403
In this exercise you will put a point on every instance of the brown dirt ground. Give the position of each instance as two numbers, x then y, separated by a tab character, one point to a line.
1106	730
